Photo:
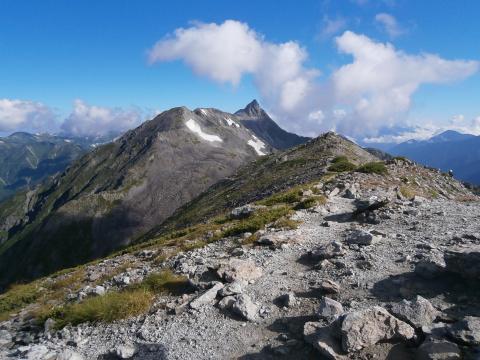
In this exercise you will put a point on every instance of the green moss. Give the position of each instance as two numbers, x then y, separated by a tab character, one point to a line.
375	167
306	203
339	159
162	282
287	197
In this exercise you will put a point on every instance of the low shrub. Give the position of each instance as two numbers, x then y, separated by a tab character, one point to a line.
287	197
162	282
306	203
342	166
375	167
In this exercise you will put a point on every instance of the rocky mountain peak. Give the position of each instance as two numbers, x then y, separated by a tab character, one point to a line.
253	110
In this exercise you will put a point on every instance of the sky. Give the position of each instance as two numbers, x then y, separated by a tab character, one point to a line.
376	71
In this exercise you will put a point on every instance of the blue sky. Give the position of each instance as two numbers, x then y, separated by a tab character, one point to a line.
96	52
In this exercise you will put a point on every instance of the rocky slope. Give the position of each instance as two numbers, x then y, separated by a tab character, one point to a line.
257	120
27	159
349	265
120	190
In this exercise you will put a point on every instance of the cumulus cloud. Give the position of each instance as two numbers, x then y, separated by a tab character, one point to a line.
88	120
390	24
228	51
379	84
24	115
372	91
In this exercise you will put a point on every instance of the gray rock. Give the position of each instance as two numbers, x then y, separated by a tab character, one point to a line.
329	287
438	350
288	299
430	268
125	351
466	331
329	309
417	313
244	307
237	269
325	339
361	237
242	212
69	355
49	325
367	327
5	338
231	289
226	303
331	250
207	297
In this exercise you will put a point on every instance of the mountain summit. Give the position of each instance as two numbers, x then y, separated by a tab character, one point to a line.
257	120
118	191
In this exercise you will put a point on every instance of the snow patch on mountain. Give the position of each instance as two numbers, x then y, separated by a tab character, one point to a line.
230	122
257	144
195	128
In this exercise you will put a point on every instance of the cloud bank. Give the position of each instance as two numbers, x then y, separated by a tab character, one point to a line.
24	115
88	120
372	91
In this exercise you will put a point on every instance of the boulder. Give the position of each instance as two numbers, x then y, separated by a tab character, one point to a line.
361	237
331	250
438	350
237	269
329	309
207	297
245	307
417	313
466	331
367	327
325	339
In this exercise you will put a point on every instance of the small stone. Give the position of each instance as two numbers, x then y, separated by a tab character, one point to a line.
69	355
244	307
207	297
361	237
231	289
329	287
125	351
226	303
325	339
5	338
331	250
288	299
329	309
242	212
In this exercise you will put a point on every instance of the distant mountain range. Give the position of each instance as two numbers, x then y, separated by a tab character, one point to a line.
448	150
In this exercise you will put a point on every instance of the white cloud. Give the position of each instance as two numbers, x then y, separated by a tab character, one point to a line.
389	24
332	27
87	120
228	51
428	129
379	84
24	115
371	92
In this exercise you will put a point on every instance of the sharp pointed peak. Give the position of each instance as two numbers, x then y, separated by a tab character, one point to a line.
253	109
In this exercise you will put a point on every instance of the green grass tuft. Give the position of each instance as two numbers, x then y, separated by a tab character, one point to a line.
342	166
375	167
17	297
162	282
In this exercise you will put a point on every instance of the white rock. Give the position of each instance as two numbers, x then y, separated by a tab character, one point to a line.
207	297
